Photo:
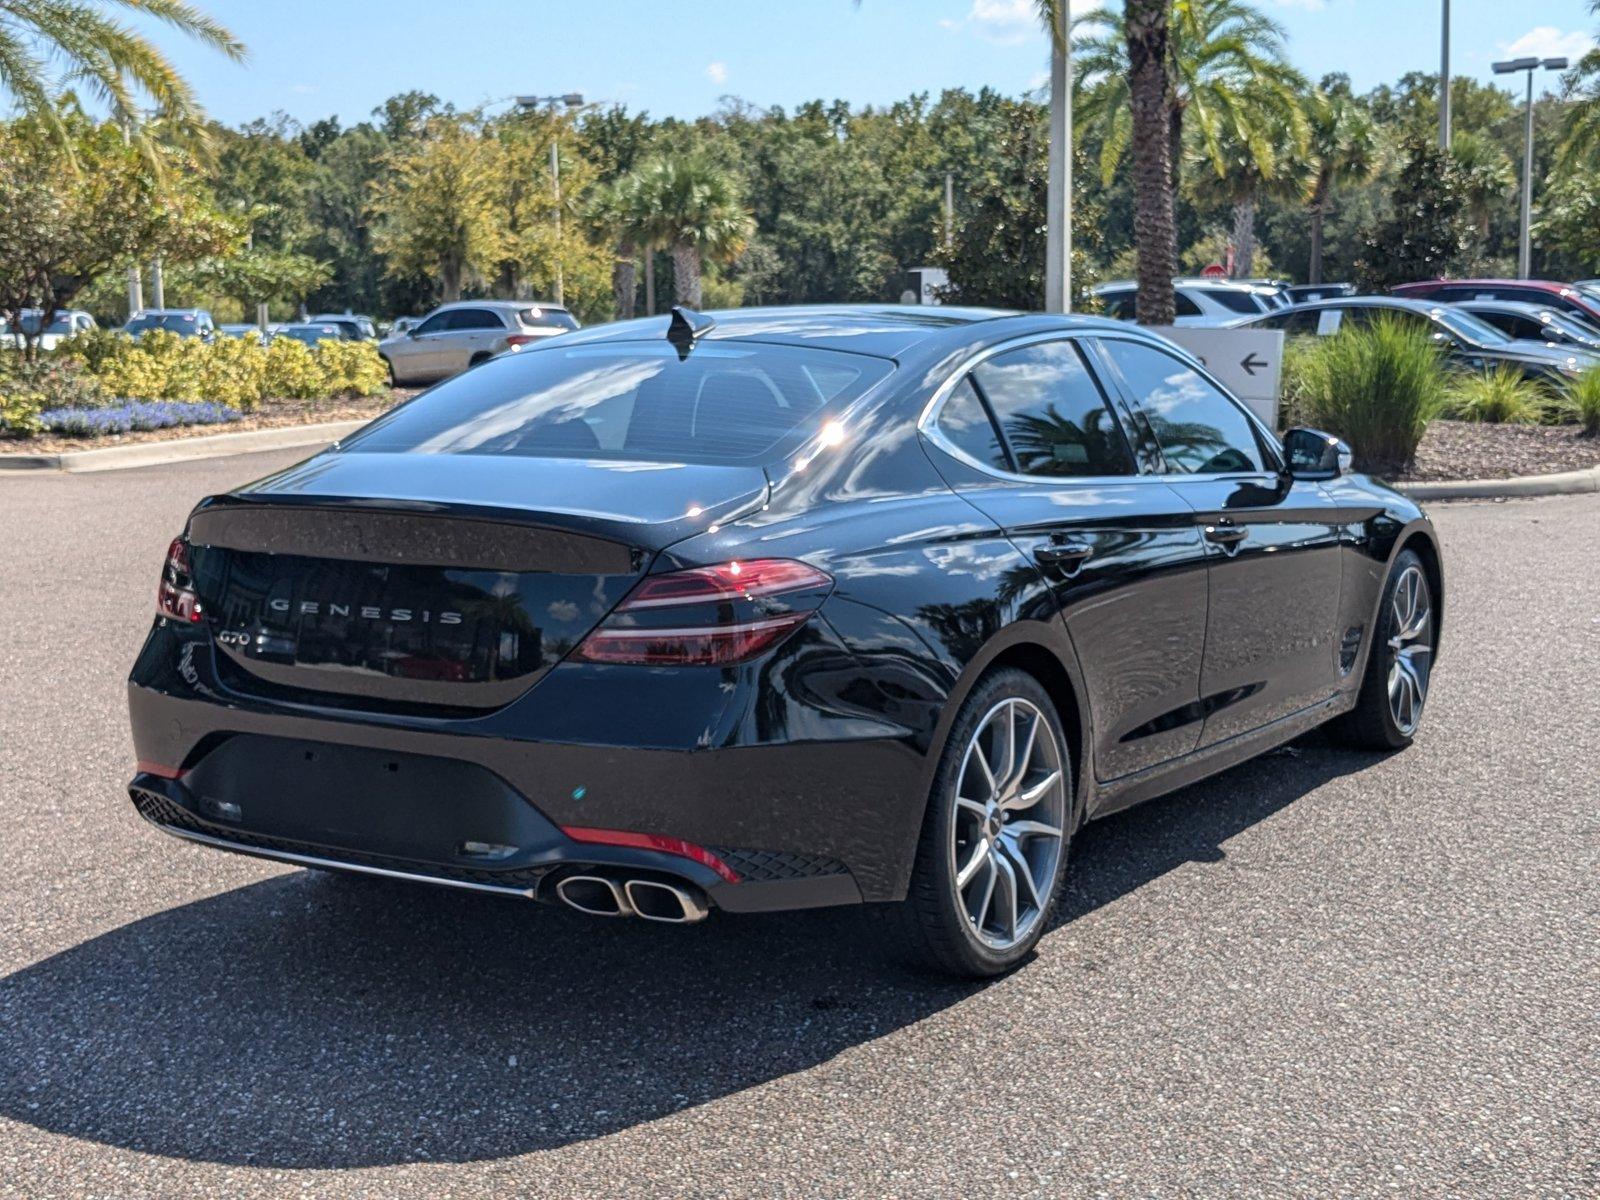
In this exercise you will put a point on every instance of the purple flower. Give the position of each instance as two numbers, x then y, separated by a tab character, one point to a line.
135	414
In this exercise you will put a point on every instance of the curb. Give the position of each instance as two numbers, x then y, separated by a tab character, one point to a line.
1566	483
155	454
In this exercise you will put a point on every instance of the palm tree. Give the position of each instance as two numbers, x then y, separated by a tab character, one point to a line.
1231	83
1343	151
1580	140
1147	33
1240	174
691	206
613	209
45	43
1485	173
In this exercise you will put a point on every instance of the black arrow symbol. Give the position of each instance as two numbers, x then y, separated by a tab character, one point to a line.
1251	362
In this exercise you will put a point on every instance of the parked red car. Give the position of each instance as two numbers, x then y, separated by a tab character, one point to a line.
1561	296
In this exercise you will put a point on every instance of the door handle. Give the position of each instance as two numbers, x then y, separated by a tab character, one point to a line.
1069	554
1227	534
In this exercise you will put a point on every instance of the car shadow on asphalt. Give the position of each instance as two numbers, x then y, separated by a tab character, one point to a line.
311	1021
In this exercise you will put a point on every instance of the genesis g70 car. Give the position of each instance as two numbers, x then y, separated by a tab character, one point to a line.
770	609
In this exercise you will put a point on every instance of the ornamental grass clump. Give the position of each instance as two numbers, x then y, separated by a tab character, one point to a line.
1581	402
1503	396
1377	387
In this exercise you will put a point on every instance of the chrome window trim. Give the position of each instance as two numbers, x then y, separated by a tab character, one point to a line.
928	422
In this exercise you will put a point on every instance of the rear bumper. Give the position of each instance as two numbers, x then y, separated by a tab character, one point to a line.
765	882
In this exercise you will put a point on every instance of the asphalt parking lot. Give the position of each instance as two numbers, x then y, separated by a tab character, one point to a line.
1320	974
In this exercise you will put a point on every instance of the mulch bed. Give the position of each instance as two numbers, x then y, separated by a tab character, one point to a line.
1470	450
272	414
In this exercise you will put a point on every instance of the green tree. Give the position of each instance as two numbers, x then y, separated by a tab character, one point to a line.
434	207
44	42
76	208
1231	84
1580	134
997	256
695	209
1426	233
1486	175
1343	150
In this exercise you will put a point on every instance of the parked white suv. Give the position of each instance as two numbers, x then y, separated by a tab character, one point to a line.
1200	301
462	334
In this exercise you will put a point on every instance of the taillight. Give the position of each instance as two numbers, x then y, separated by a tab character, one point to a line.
520	339
175	596
708	616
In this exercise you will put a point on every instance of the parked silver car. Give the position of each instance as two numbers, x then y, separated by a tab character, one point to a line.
1199	300
68	321
462	334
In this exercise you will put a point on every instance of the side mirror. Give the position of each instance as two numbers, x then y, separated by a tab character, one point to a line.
1312	454
413	331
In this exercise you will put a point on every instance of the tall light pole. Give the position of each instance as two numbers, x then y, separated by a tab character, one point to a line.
1525	241
1058	193
1444	80
573	100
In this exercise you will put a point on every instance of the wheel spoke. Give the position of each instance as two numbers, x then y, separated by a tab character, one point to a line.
1022	829
1005	871
1027	751
980	855
988	893
976	807
1032	796
983	765
1020	866
1008	718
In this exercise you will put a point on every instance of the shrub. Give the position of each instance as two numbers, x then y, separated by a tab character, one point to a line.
1503	396
292	370
1376	387
351	369
237	372
1581	402
134	414
28	388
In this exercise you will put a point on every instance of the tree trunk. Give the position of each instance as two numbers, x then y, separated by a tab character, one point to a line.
686	274
1319	214
450	280
624	281
1175	146
650	282
1154	227
1244	237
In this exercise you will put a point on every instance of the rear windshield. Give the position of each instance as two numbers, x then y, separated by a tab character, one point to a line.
182	322
1236	301
726	402
558	318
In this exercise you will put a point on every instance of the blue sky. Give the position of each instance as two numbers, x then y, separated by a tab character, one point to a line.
315	58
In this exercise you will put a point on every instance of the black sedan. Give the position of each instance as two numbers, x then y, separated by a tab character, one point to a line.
1469	342
776	609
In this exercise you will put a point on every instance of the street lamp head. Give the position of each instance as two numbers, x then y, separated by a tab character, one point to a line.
575	99
1555	64
1515	64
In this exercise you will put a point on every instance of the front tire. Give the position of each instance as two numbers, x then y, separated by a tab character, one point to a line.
1394	688
994	840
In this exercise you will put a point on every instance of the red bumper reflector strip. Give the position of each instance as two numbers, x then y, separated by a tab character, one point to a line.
158	769
652	841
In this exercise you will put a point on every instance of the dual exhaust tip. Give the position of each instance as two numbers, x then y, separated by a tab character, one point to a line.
651	899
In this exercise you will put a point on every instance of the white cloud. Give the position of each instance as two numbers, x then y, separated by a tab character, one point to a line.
1546	41
717	72
304	89
1009	22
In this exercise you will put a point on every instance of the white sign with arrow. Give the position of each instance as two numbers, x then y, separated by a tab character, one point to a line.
1248	362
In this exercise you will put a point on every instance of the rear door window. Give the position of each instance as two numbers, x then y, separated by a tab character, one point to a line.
1051	411
725	403
1243	303
474	318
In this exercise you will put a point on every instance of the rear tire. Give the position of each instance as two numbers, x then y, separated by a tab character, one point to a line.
993	848
1394	688
389	367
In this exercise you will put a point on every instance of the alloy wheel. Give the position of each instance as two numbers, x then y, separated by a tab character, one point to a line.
1410	649
1006	835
